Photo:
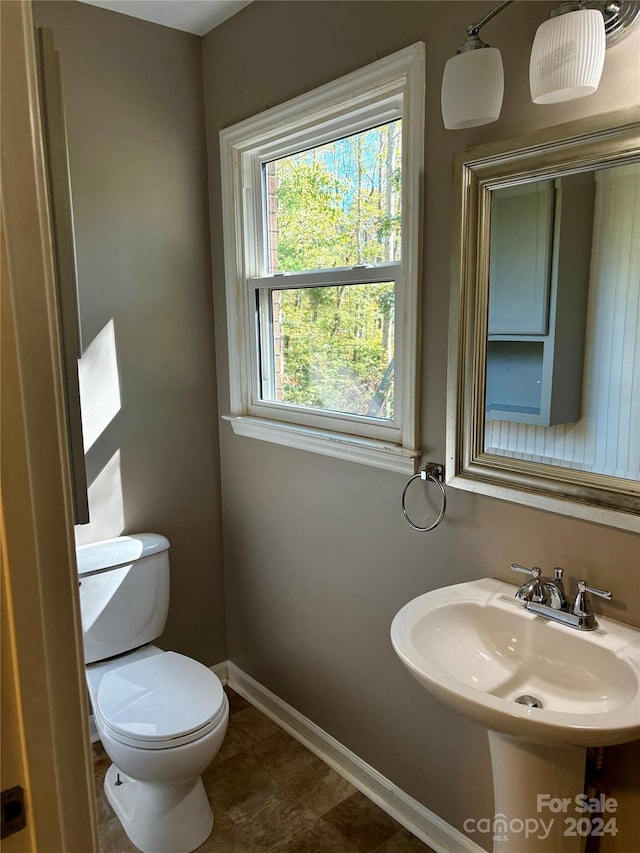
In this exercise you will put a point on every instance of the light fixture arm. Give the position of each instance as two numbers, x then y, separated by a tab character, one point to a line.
473	41
474	29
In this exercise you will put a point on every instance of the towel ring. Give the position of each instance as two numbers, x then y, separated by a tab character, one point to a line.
434	472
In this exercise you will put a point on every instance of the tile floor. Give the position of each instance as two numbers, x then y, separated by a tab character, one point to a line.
269	793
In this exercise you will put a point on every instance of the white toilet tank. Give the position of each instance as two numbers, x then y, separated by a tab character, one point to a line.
124	593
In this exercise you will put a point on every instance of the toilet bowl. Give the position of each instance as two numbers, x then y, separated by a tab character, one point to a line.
161	716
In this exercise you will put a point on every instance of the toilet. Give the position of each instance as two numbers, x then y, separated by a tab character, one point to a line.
161	716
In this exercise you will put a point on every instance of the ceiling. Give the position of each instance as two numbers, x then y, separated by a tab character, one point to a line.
192	16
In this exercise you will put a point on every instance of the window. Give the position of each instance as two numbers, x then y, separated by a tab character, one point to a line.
321	209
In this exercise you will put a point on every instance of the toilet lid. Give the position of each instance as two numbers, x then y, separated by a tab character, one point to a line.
160	698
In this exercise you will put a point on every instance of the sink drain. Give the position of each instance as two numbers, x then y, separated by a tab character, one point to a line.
531	701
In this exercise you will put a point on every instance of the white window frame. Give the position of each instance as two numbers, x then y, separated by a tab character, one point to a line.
391	88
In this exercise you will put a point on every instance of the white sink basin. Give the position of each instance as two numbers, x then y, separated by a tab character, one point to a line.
476	648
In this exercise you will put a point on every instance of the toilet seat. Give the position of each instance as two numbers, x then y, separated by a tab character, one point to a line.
161	701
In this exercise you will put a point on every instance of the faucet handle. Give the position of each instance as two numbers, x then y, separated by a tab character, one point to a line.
582	606
535	572
602	593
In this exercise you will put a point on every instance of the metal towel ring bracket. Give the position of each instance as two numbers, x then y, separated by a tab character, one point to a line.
434	472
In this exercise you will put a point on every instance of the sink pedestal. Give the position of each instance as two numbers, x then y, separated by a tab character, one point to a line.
476	648
523	772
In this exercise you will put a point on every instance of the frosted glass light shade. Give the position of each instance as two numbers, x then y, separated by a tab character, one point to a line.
567	57
472	88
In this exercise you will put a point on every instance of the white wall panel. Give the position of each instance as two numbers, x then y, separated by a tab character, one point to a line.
607	437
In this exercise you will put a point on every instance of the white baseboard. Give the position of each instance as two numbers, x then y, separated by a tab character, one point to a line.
221	670
93	731
419	820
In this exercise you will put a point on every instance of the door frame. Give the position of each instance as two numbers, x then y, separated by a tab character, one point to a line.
48	714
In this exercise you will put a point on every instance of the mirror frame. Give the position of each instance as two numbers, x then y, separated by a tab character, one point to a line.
603	140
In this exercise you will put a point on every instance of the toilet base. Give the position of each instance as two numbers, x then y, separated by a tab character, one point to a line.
160	817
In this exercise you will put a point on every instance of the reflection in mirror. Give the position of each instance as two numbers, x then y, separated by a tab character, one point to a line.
562	377
544	361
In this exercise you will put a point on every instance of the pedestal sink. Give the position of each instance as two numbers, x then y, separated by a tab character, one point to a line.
477	649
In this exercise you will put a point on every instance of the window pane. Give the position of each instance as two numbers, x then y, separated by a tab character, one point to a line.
333	348
336	205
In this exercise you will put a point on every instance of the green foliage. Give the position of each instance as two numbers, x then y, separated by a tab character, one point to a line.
337	205
310	231
337	343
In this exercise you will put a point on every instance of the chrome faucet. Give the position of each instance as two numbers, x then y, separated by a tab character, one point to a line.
546	597
542	590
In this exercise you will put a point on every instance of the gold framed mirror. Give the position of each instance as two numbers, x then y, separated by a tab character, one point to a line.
544	349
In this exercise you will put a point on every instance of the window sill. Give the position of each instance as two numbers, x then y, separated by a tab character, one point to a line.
366	451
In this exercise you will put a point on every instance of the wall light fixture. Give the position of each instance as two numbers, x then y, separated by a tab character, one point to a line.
566	63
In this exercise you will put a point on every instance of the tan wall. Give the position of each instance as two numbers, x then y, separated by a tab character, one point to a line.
134	106
317	556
